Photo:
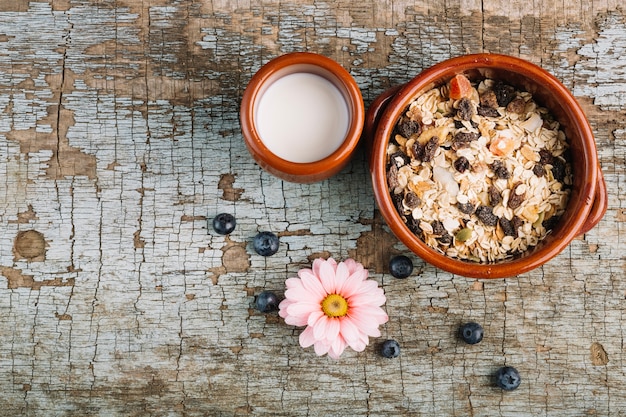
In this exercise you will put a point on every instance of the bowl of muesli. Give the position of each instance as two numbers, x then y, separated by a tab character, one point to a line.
484	165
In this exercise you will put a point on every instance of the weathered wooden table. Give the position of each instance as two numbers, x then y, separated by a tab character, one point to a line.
120	139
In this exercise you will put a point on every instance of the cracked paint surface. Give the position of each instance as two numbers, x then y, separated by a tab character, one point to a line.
119	139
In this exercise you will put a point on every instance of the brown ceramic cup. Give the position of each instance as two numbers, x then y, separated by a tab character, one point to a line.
298	63
588	200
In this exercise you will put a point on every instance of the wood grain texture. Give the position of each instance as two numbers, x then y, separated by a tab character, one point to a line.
120	140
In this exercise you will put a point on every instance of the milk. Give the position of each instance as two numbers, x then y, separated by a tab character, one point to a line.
302	117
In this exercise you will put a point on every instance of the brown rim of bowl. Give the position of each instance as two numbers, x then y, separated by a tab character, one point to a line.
443	72
332	71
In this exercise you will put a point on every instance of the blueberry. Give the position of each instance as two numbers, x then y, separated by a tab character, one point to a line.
471	333
508	378
390	349
224	223
266	301
266	243
401	266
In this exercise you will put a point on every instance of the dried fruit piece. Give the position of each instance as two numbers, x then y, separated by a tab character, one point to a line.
502	145
463	139
488	99
515	199
507	227
465	208
517	105
500	170
461	164
411	200
539	170
408	127
504	93
465	110
545	157
460	87
494	195
485	215
487	111
558	169
399	159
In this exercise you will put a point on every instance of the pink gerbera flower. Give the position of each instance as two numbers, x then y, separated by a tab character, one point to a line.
337	303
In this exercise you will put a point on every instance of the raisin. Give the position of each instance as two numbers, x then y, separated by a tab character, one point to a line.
517	223
494	196
464	110
465	208
516	200
504	93
550	223
545	157
558	169
461	164
485	215
430	148
445	239
399	159
500	170
411	200
539	170
392	177
414	226
488	111
463	139
407	128
397	202
507	227
517	105
438	229
418	151
458	124
488	99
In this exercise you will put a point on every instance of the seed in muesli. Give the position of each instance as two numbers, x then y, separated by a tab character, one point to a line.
478	170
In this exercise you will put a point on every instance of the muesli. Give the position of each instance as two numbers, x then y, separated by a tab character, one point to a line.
478	171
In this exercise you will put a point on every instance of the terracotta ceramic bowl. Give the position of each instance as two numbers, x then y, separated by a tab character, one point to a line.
307	63
588	200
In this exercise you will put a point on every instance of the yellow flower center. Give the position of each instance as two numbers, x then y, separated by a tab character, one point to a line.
335	305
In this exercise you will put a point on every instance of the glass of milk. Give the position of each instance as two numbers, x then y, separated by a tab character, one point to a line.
302	115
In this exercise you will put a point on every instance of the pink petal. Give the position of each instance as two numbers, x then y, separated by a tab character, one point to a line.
341	275
364	322
320	329
302	295
306	337
353	283
332	329
296	320
327	277
352	265
337	348
293	283
357	345
370	313
312	284
321	347
374	298
314	317
282	307
317	263
302	308
349	331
